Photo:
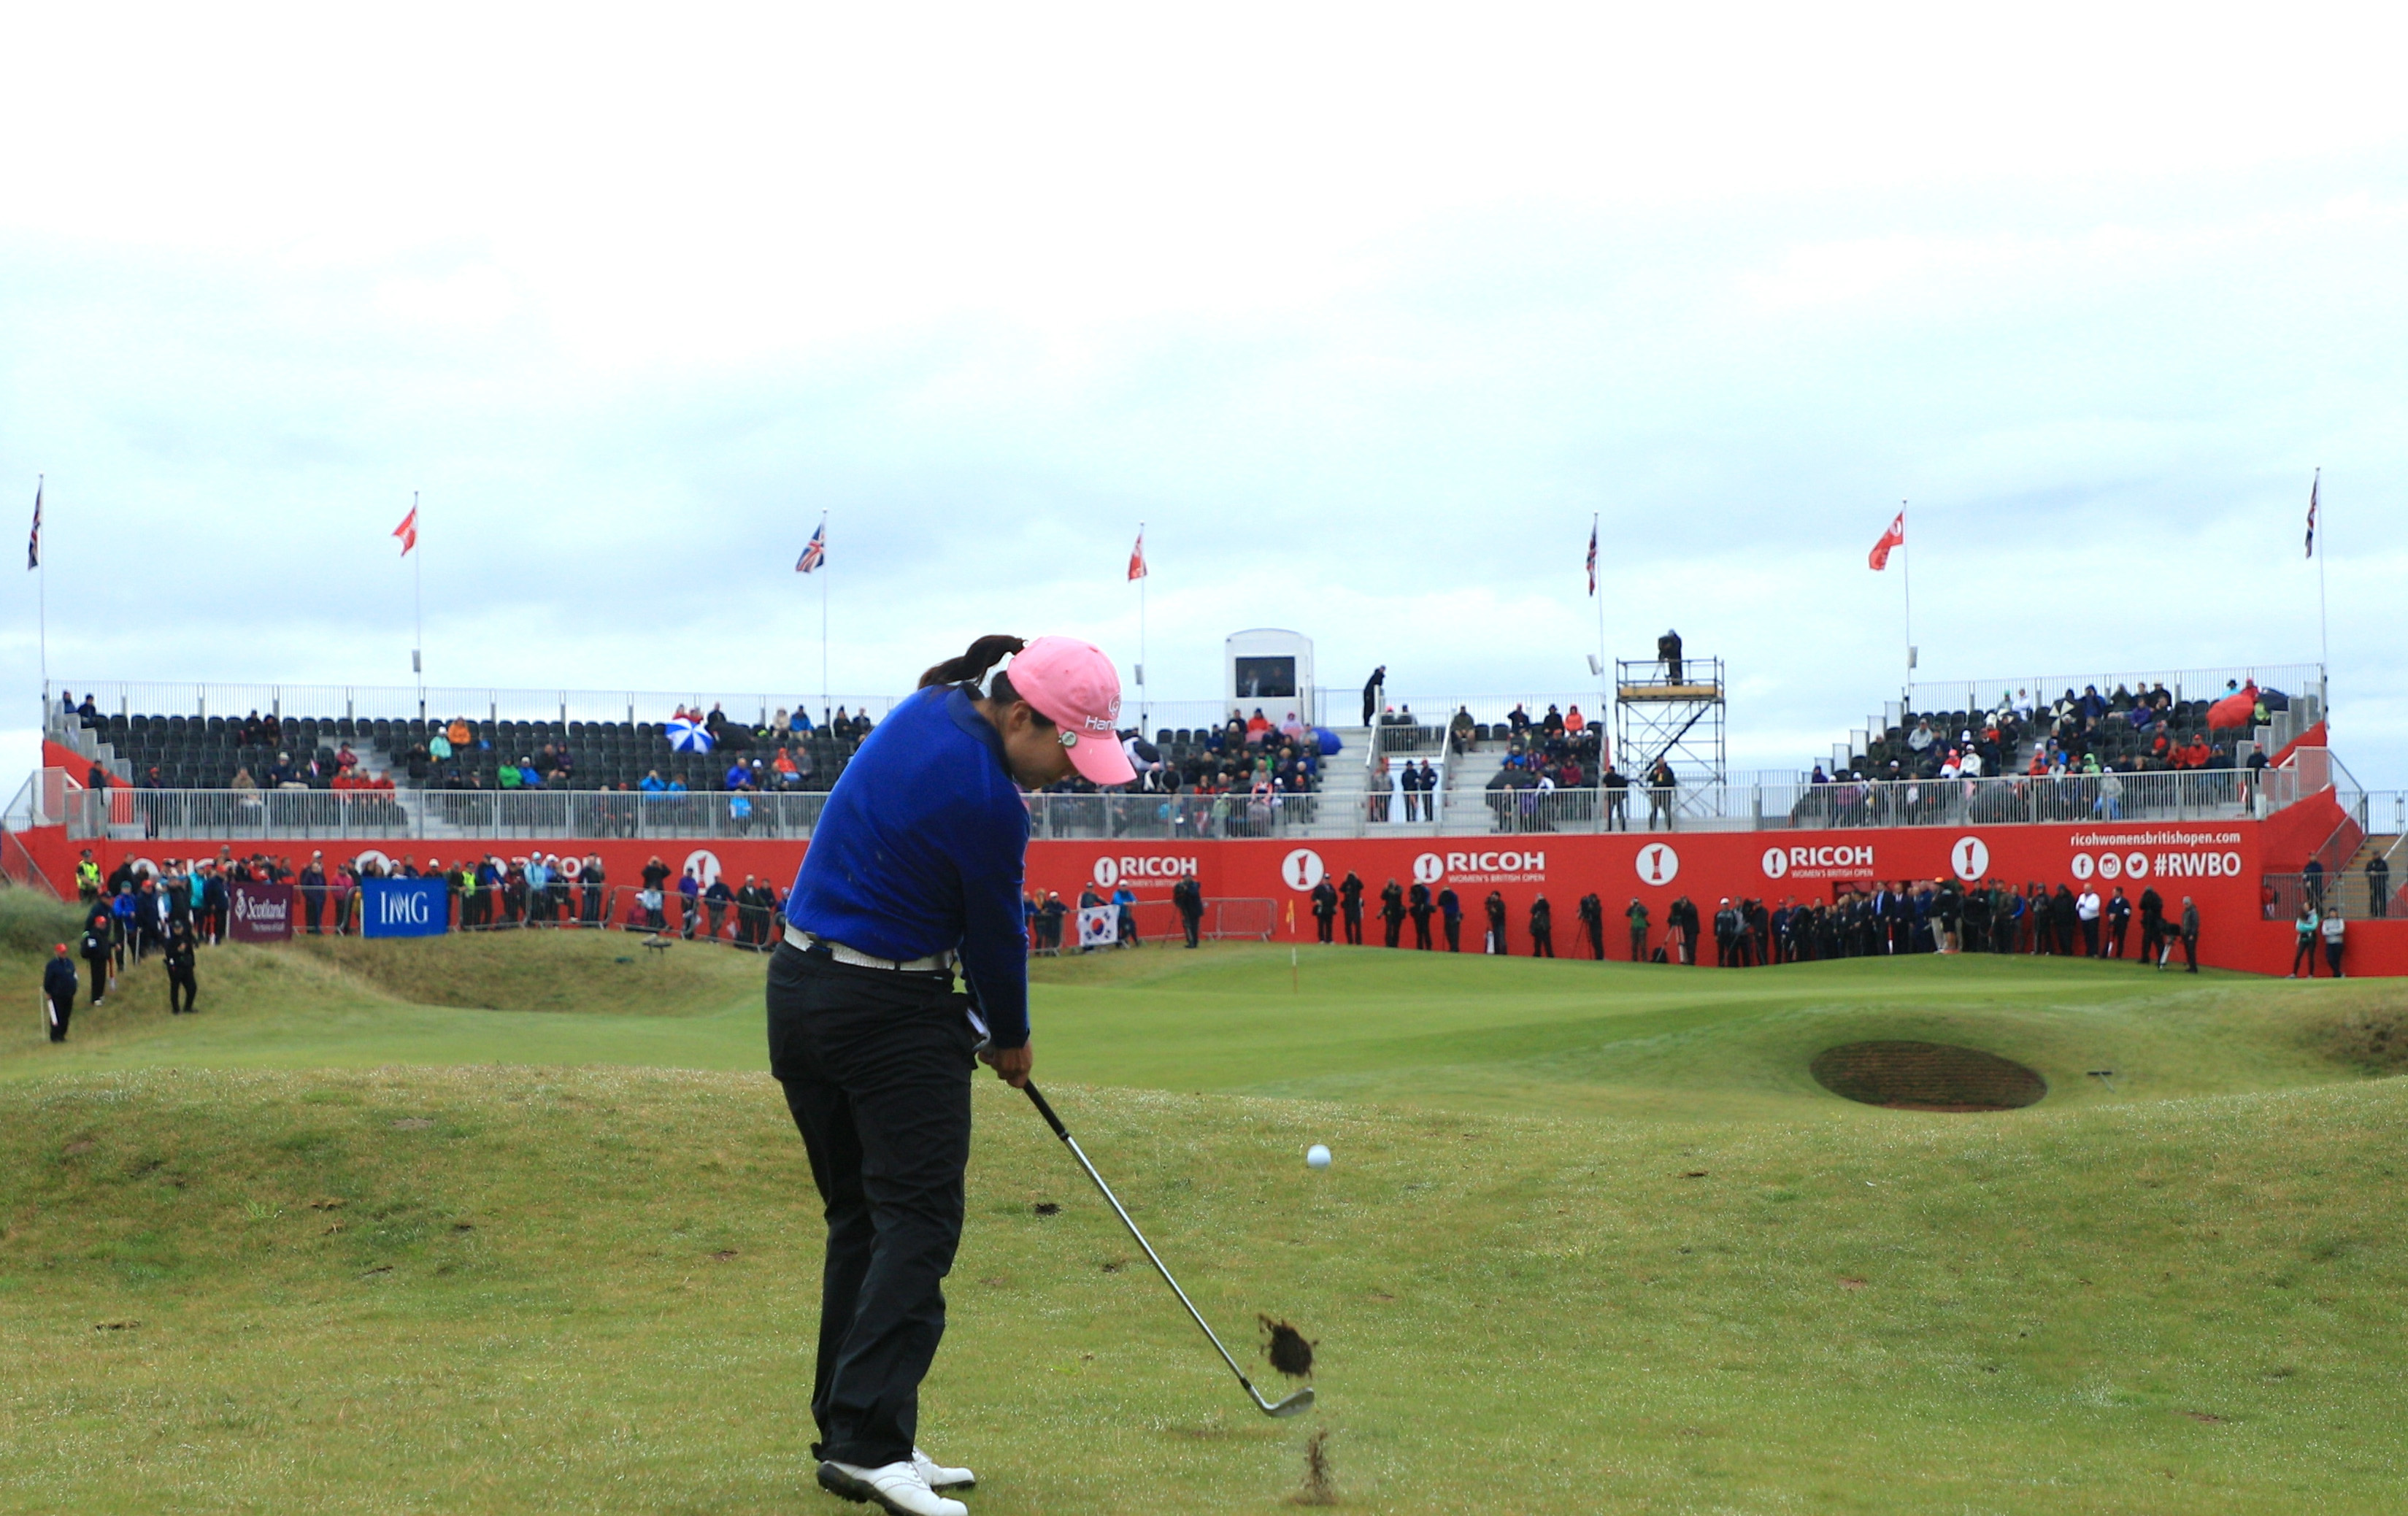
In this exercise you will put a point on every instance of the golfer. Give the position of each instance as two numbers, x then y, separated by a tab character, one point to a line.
913	869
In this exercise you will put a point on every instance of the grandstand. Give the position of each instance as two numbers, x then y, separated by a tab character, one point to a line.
171	772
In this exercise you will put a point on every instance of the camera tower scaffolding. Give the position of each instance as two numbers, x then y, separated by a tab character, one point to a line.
1673	710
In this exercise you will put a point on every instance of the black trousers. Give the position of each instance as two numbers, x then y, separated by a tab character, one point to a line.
876	1067
1323	925
1395	926
184	988
96	970
1453	934
2090	937
1543	942
1421	931
1597	940
313	908
1354	928
62	1011
1194	926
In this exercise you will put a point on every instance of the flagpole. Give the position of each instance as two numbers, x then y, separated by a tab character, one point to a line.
826	707
42	593
1142	719
418	610
1906	581
1596	593
2324	635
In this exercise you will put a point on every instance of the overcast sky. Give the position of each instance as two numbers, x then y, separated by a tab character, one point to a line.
1362	312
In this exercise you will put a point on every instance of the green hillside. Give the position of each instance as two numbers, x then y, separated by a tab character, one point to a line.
1593	1241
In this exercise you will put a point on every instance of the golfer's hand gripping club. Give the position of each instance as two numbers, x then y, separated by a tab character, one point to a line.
1288	1406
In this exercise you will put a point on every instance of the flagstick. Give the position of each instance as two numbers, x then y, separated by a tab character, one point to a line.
826	707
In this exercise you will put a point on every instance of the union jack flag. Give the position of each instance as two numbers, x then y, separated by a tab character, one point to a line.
2313	486
814	551
34	543
1592	557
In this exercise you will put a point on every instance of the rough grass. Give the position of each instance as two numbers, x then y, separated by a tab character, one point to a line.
1593	1241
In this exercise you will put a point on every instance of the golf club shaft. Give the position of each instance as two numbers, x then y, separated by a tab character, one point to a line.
1064	1132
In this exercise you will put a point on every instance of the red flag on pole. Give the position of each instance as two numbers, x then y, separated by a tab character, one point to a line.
1137	556
1894	538
408	531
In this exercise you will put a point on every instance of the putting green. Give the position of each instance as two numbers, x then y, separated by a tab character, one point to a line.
1594	1240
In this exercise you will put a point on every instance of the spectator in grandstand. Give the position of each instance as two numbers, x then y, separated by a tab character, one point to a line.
1463	732
1660	786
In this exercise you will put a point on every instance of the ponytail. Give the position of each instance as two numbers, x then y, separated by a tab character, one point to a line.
971	667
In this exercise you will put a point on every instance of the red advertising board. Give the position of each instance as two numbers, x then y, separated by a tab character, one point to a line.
2216	864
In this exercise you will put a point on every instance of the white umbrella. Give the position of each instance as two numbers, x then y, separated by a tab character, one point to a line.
688	736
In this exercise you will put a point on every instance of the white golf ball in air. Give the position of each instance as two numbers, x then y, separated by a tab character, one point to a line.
1316	1156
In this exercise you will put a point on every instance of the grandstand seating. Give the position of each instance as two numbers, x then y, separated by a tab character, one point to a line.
204	753
2115	741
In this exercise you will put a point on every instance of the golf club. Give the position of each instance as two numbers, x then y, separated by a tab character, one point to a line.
1289	1406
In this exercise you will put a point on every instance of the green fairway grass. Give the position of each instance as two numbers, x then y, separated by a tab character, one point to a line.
508	1224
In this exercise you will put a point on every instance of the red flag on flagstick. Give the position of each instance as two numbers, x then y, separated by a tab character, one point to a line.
408	531
1137	557
1894	538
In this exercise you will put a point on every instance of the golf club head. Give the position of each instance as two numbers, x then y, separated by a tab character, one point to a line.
1301	1400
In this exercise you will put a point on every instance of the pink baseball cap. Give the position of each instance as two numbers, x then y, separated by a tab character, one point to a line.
1071	683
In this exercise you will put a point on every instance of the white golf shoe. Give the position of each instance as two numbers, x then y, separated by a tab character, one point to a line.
938	1477
894	1487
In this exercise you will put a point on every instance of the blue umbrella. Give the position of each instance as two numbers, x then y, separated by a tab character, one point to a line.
688	736
1329	740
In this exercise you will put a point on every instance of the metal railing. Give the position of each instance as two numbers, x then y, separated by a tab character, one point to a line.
433	817
2353	892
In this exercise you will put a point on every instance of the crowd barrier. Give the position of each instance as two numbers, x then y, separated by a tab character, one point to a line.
433	817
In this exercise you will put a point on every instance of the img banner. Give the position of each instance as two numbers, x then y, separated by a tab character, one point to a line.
260	913
404	908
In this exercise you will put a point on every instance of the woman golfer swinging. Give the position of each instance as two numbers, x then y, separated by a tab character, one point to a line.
915	867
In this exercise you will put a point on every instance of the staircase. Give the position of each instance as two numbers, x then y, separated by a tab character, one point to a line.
2352	888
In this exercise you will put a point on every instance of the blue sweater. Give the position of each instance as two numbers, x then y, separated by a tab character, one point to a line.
919	849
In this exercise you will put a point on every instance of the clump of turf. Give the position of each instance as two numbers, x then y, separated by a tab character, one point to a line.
1288	1350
